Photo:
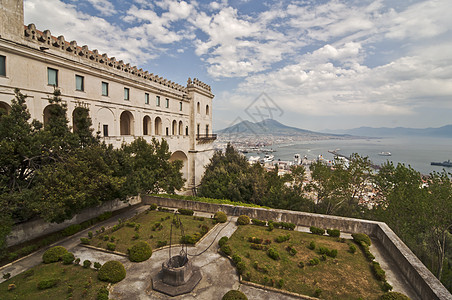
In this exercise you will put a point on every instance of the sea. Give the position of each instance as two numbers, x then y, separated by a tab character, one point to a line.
418	152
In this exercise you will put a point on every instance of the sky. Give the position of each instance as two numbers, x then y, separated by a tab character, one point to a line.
315	65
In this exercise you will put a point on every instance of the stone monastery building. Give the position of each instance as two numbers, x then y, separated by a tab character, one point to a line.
124	102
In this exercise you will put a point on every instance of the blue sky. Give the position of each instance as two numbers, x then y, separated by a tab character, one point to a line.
326	64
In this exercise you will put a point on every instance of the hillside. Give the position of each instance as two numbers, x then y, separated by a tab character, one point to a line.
445	131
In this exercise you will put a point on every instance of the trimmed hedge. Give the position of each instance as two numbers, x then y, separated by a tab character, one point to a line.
102	294
273	253
220	217
53	254
333	232
243	220
67	258
317	230
47	283
112	271
393	296
71	229
223	241
226	249
259	222
234	295
187	212
378	271
139	252
361	237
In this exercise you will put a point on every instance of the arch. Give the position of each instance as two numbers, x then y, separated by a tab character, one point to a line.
207	110
158	126
174	128
181	128
4	108
47	113
180	155
78	112
198	107
126	123
146	125
106	119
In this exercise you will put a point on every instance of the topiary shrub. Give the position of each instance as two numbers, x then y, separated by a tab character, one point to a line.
220	217
234	295
102	294
226	249
243	220
361	237
259	222
333	232
85	241
139	252
112	271
71	229
378	271
153	206
187	212
67	258
111	246
393	296
273	253
86	264
53	254
352	248
47	283
312	245
317	230
282	238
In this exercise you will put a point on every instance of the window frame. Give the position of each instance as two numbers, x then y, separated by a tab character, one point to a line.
127	94
166	103
82	83
180	106
48	76
157	99
106	90
3	66
105	130
146	98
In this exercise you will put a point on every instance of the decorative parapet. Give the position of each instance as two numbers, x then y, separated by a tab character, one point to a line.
198	83
45	38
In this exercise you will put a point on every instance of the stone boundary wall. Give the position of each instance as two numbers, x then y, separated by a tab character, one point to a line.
33	229
421	279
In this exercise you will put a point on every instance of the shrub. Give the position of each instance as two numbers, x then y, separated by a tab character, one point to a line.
314	261
11	287
317	292
288	226
236	258
198	218
13	256
223	241
111	246
352	248
102	294
190	239
112	271
247	276
85	241
378	271
366	250
104	216
71	229
220	217
67	258
27	274
6	276
76	261
234	295
153	206
53	254
332	253
47	283
243	220
301	264
386	287
255	240
256	246
258	222
270	227
136	236
282	238
291	250
90	234
393	296
311	245
333	232
112	239
187	212
131	224
106	237
273	253
361	237
280	283
226	249
86	264
139	252
161	244
241	267
317	230
97	265
323	250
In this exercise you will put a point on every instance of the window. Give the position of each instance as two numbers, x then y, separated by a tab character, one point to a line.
167	131
186	130
126	94
166	102
2	65
197	130
105	130
157	99
207	130
146	98
79	83
180	106
52	77
207	110
104	88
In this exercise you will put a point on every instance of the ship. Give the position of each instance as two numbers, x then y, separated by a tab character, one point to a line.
385	153
447	163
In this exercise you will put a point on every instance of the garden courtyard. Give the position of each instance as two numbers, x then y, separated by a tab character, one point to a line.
219	275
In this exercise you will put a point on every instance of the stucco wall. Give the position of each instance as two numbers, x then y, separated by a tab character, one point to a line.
30	230
421	279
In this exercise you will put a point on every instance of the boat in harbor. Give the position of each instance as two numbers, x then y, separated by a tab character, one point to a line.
385	153
447	163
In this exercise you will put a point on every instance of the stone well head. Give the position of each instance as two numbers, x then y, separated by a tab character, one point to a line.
177	270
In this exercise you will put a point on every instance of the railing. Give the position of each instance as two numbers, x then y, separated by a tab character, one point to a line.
206	137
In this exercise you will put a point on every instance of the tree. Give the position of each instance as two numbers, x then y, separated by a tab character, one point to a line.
82	127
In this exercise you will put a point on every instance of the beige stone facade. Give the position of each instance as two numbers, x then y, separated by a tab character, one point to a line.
124	102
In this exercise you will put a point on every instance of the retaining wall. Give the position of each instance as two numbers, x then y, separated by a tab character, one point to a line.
421	279
33	229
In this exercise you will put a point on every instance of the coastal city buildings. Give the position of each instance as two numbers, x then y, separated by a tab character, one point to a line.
124	101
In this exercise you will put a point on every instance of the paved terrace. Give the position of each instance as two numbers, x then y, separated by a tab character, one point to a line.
219	275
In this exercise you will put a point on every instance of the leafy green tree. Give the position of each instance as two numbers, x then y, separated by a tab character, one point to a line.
82	127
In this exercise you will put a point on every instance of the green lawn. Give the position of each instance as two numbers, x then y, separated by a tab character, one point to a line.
125	237
84	282
348	276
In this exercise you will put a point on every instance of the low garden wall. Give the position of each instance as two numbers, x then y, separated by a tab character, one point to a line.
33	229
421	279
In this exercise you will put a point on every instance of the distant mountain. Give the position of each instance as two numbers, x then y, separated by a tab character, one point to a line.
270	126
445	131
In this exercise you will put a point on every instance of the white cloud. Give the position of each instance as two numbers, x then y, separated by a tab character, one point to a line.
105	7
